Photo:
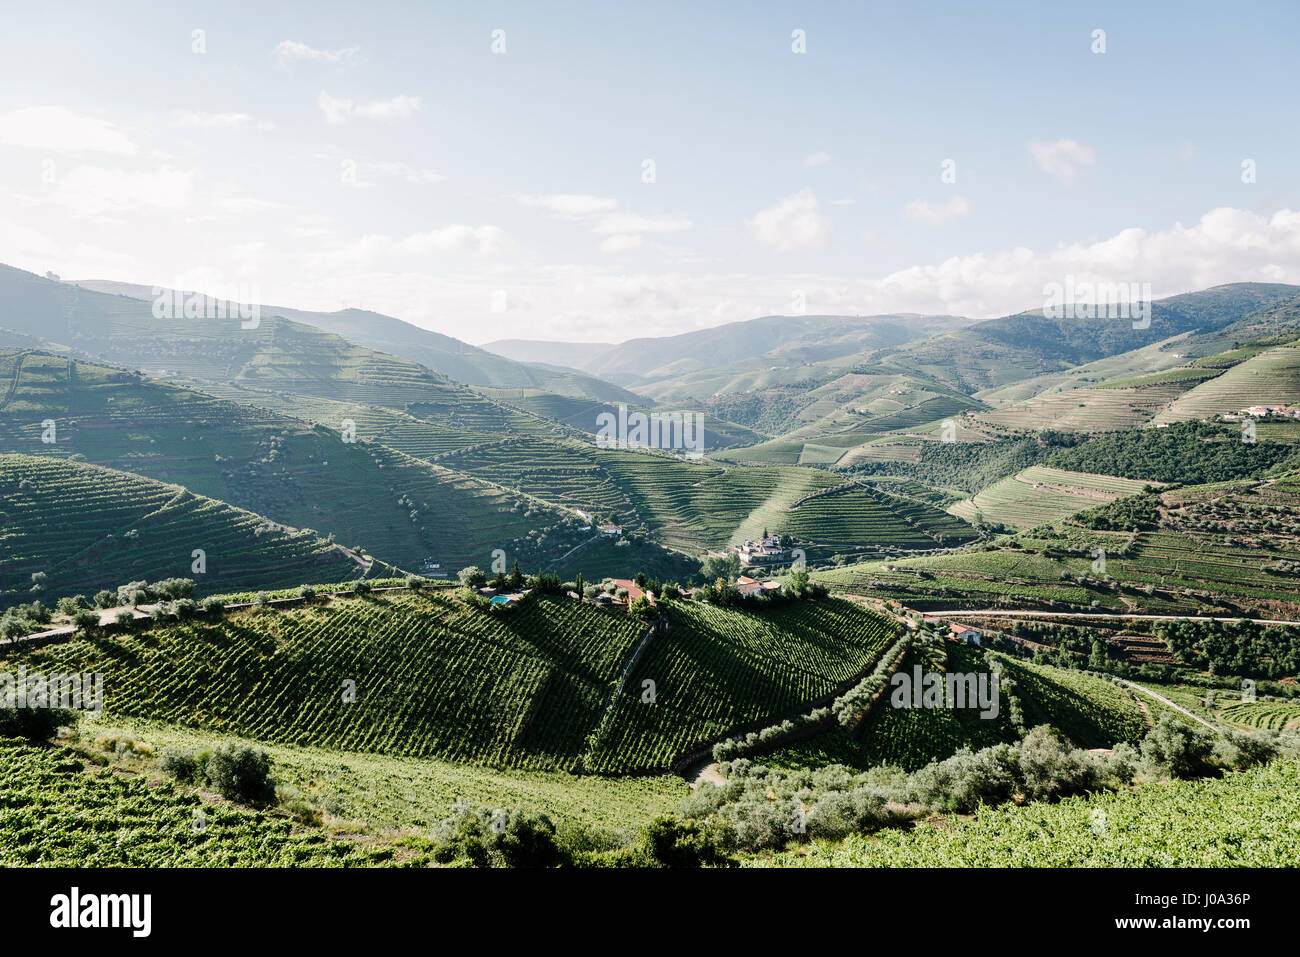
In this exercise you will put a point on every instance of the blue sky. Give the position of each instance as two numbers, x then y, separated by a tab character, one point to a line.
383	155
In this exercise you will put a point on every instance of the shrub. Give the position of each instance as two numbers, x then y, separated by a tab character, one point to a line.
362	588
186	765
105	598
668	842
35	724
124	617
1175	750
214	606
241	773
472	577
487	837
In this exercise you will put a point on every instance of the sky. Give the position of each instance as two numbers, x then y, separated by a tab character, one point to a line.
598	172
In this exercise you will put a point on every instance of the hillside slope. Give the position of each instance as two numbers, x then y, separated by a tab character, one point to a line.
87	527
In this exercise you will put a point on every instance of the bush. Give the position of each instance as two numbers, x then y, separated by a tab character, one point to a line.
362	588
488	837
124	617
472	577
35	724
307	592
1175	750
105	598
214	606
186	765
241	773
668	842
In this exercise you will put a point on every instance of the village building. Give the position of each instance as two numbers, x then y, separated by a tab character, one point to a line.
749	587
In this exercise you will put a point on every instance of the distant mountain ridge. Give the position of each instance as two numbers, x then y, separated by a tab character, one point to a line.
443	354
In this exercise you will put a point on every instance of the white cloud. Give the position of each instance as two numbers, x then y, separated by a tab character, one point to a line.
1062	158
937	212
91	191
59	130
188	119
483	239
844	201
567	204
339	110
290	51
620	243
817	159
420	176
636	223
795	222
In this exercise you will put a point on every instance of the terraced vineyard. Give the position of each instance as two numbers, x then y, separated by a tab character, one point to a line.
1275	715
1092	712
1039	495
1270	378
55	814
908	738
717	669
294	473
436	678
432	677
87	528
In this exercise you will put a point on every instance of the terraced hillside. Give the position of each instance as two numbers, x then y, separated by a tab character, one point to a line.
435	677
407	512
692	506
906	737
1270	378
716	670
85	527
1228	547
1039	495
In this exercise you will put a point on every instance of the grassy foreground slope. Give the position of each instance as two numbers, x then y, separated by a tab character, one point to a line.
430	676
86	527
366	792
1244	819
56	813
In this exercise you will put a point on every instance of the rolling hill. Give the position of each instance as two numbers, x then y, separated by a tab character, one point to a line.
406	511
447	356
536	687
85	527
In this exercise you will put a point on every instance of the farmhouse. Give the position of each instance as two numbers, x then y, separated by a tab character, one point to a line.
969	635
613	531
748	587
1264	411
